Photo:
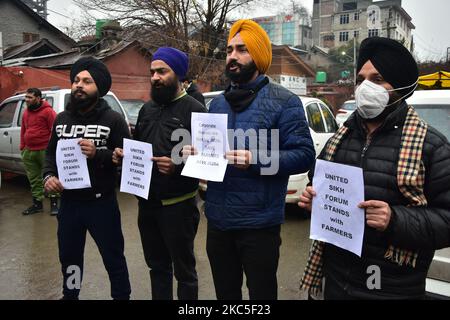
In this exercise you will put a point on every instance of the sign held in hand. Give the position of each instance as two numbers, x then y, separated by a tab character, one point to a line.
210	139
72	166
137	168
335	216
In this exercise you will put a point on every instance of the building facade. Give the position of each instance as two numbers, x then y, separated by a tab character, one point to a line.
292	29
19	24
336	22
289	70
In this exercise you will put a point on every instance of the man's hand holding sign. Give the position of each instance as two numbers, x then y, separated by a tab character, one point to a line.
336	209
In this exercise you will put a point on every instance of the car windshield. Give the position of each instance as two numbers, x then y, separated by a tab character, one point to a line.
438	116
132	107
349	106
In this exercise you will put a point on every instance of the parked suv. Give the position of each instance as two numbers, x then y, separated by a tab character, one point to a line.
11	113
322	125
433	106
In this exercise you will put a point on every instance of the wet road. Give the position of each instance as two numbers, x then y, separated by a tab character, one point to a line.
30	269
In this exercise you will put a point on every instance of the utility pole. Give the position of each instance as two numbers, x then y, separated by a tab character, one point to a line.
354	59
1	49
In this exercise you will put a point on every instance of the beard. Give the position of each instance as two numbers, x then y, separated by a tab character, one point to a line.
34	106
245	73
164	94
81	104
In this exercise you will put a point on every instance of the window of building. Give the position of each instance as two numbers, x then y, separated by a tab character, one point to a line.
356	17
30	37
288	33
345	18
270	29
390	13
343	36
349	6
305	33
373	33
356	34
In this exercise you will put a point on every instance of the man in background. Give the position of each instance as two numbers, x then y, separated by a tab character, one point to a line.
35	131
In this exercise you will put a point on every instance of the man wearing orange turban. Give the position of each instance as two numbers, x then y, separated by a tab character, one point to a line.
246	210
257	42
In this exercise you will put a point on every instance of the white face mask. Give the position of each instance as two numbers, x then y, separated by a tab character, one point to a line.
372	99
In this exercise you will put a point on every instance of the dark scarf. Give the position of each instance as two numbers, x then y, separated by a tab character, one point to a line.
239	98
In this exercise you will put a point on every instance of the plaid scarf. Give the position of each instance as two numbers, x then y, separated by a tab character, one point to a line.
410	177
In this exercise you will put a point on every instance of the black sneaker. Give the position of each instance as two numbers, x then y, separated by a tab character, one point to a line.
54	206
35	208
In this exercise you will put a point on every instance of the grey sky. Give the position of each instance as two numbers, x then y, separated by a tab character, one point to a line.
432	37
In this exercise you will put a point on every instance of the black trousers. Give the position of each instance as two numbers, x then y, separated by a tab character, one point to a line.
255	252
167	235
101	218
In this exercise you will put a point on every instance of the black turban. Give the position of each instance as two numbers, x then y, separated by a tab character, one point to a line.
392	60
98	71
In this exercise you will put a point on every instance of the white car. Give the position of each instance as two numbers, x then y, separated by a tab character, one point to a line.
345	111
11	112
433	106
322	125
209	96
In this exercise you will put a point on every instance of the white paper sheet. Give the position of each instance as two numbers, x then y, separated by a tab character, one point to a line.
136	168
209	137
335	216
72	166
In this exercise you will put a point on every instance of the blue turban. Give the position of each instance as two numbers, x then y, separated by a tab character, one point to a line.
176	59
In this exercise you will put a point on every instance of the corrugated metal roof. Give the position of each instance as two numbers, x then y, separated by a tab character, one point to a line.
27	48
66	59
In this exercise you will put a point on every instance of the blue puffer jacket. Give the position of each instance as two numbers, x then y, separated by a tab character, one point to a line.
246	199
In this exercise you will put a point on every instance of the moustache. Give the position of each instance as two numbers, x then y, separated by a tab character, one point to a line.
158	84
79	91
234	63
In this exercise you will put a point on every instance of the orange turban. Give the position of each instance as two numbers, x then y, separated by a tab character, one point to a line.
257	42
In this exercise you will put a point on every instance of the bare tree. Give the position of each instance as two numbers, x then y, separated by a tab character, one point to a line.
198	27
295	7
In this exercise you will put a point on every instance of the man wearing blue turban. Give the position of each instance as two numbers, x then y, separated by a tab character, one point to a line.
168	220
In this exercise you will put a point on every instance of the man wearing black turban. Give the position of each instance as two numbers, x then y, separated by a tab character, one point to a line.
406	168
99	129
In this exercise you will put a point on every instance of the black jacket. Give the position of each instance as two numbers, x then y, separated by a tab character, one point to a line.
422	229
193	91
155	125
108	129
